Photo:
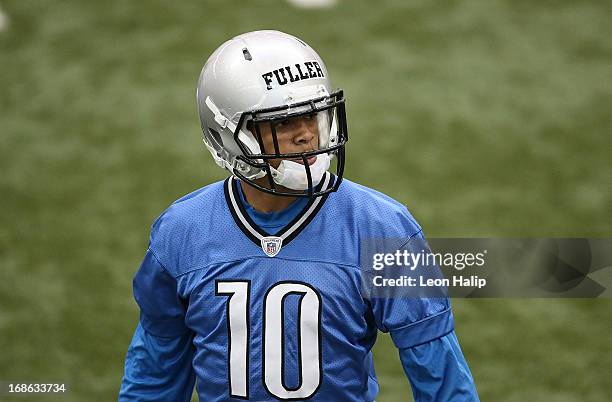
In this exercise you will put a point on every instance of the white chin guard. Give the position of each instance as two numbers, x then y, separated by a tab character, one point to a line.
293	175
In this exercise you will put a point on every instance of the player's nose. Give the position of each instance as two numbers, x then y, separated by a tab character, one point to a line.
305	132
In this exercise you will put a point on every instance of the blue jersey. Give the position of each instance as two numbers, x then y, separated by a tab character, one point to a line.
275	316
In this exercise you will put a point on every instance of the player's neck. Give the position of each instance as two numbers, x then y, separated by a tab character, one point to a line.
264	202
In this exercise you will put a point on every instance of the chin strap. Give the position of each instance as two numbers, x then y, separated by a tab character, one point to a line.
293	175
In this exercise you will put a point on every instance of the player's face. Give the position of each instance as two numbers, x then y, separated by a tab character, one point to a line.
294	135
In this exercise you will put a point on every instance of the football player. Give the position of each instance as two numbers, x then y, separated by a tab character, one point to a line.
254	285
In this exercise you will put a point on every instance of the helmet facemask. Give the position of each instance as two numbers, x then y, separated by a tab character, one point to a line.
293	174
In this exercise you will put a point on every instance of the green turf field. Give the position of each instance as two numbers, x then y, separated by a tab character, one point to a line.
487	118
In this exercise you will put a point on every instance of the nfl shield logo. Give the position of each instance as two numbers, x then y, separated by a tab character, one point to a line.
271	245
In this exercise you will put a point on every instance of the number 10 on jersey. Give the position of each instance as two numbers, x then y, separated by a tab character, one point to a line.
309	338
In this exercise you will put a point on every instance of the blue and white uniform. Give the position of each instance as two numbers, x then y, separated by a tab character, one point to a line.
296	326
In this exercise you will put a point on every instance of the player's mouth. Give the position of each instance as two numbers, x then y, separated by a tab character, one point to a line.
311	160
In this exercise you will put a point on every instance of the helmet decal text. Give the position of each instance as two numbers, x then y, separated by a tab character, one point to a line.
297	72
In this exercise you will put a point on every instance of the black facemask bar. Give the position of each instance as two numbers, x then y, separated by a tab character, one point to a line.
274	115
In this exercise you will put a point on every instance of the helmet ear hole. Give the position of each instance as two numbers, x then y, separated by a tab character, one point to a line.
216	136
213	139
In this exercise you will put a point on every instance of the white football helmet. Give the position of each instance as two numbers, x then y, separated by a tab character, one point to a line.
267	77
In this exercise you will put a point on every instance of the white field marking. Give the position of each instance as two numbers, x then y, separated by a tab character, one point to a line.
3	21
312	3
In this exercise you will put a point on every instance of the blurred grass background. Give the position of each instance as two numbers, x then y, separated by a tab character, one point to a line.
487	118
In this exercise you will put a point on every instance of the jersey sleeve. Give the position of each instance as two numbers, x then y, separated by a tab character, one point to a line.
437	371
158	369
162	312
158	364
412	320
